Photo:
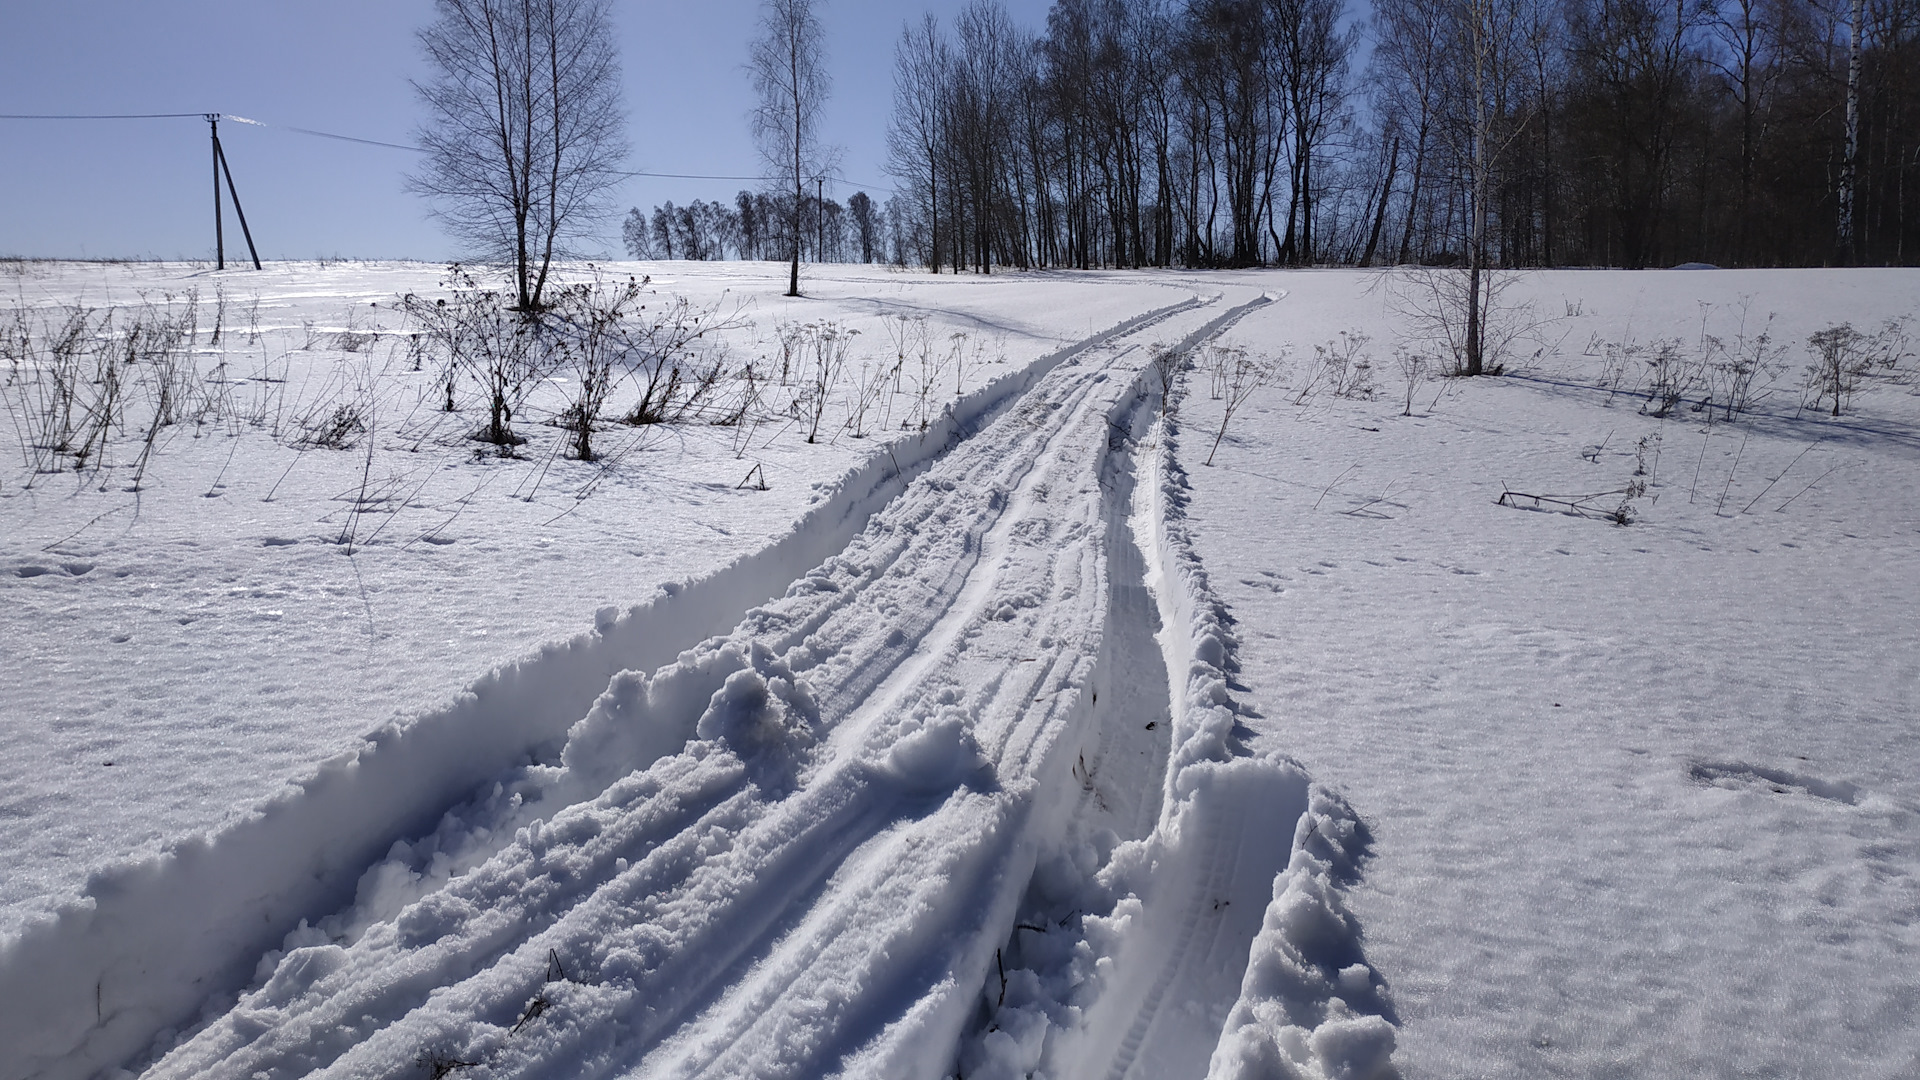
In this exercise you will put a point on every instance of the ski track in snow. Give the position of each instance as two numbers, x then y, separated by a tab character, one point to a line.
142	950
950	800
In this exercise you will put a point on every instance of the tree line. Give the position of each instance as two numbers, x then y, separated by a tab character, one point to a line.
1227	133
1512	132
759	225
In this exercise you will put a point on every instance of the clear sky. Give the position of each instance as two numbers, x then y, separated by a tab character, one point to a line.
114	188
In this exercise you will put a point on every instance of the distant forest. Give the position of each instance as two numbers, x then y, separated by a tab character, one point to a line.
1232	133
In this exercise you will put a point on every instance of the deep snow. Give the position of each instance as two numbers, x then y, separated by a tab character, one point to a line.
1030	744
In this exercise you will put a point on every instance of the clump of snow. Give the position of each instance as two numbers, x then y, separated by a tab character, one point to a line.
1310	1007
762	713
936	753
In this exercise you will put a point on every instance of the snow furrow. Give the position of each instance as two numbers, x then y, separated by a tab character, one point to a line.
1304	1002
858	840
1205	943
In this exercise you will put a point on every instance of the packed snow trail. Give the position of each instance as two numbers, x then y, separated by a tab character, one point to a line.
801	849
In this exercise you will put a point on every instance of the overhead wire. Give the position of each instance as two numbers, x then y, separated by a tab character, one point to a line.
376	142
320	134
104	116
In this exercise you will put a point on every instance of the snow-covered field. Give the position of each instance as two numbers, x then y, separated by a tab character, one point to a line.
1008	734
208	634
1644	800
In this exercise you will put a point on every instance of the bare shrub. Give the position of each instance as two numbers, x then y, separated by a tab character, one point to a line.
74	373
1844	356
865	394
1167	363
595	345
1841	355
475	330
341	412
1244	375
1435	302
1671	375
1347	365
744	415
1216	375
61	381
918	360
673	374
335	429
818	351
1413	370
1737	368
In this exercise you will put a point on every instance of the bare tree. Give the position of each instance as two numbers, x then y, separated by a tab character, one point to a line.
789	72
1485	38
524	128
1850	162
636	235
865	222
921	61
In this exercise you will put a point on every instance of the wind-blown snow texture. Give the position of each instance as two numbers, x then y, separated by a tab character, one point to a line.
1643	799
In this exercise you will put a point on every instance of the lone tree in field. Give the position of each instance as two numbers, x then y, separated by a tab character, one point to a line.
524	128
789	72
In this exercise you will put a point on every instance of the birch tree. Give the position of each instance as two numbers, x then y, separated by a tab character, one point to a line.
524	130
788	61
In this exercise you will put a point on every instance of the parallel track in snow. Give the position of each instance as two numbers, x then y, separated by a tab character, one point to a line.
801	849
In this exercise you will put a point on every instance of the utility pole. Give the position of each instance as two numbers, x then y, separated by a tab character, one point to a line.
219	227
820	220
219	234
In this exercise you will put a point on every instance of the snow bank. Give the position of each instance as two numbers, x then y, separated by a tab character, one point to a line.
1309	1006
151	941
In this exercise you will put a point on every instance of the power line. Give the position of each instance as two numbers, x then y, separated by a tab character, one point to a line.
704	176
104	116
322	134
697	176
377	142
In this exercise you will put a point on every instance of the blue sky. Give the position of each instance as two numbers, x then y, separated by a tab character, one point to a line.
143	188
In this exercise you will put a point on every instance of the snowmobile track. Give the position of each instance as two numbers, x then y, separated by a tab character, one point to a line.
797	850
151	938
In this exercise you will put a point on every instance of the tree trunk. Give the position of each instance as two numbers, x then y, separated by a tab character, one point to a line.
1849	168
1380	211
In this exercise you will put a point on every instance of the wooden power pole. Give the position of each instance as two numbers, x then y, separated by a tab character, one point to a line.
219	230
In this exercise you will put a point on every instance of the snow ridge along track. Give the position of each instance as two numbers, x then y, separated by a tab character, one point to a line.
150	941
1204	943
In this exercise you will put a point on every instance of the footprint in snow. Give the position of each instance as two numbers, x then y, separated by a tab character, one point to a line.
1736	776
